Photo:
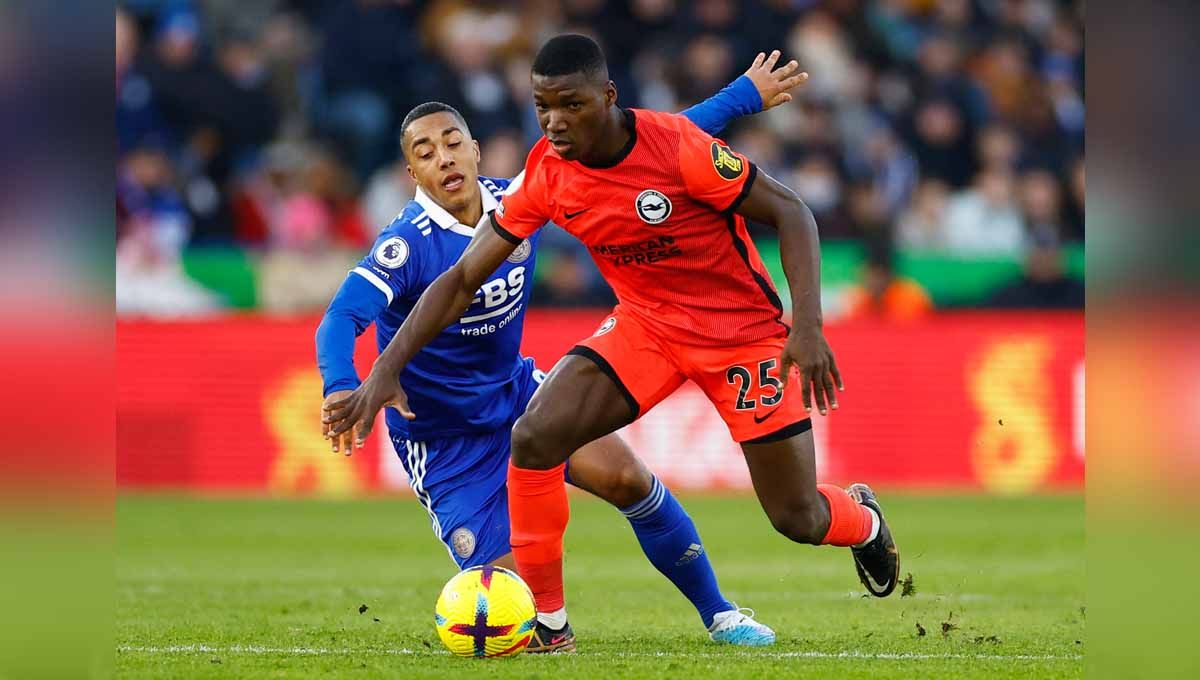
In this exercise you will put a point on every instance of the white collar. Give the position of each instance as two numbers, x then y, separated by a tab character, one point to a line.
445	220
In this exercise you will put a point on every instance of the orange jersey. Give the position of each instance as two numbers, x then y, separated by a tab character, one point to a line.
659	223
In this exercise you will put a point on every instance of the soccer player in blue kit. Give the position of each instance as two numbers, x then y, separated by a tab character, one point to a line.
470	384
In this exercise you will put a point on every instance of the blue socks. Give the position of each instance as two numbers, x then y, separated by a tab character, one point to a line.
672	544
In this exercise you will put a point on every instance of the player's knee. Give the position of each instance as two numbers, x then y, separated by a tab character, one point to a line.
629	485
802	522
532	447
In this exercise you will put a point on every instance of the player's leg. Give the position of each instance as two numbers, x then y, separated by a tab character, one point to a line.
468	514
775	433
609	469
602	385
506	560
575	405
784	476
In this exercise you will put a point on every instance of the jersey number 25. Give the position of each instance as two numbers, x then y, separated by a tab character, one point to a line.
741	377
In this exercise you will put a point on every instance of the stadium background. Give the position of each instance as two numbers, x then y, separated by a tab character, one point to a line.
939	143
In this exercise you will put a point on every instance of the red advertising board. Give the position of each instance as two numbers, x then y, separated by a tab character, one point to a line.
973	401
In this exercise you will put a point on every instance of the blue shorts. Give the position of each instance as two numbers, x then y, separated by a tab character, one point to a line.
461	482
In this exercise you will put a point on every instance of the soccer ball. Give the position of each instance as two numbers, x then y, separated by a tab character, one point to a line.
485	612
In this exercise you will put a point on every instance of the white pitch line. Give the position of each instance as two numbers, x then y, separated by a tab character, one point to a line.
322	651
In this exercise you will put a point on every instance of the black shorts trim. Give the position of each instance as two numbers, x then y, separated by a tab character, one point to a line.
746	186
607	369
504	233
798	427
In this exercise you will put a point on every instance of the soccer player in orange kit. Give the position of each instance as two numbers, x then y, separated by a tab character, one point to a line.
662	208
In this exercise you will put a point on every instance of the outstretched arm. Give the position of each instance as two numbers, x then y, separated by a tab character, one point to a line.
440	306
762	87
769	202
355	306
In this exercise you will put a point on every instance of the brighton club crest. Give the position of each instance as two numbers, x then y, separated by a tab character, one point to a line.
653	206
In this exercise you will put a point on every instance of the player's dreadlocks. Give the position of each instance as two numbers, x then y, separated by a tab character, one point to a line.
571	53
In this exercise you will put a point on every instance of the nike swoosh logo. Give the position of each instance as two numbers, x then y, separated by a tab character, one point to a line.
571	216
758	420
557	639
874	584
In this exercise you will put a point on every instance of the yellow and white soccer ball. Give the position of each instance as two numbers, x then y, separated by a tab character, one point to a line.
485	612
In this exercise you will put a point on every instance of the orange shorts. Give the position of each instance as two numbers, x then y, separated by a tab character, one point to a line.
741	381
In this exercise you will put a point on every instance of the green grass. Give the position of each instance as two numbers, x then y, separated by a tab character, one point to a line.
272	588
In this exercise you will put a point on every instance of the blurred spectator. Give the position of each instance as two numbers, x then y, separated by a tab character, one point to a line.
998	148
890	167
271	124
820	45
942	143
920	226
941	76
503	154
1041	205
817	182
882	294
467	39
868	211
138	119
389	190
304	200
371	73
707	65
155	225
984	220
1044	283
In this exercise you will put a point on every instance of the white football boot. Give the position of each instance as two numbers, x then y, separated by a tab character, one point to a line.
738	627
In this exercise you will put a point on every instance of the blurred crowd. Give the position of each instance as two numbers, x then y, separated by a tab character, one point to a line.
952	126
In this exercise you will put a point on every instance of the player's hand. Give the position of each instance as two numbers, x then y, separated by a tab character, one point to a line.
773	85
807	351
356	413
343	443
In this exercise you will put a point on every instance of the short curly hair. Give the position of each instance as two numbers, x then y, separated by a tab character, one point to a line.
571	53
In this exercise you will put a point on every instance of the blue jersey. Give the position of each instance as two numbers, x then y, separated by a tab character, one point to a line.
467	379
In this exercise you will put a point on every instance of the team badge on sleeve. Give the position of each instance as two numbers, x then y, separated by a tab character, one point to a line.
521	253
726	164
653	206
392	253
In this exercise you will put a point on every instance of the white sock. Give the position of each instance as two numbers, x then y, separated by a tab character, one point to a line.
554	620
874	528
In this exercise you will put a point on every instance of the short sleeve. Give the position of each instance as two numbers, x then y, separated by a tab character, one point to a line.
524	208
712	172
391	266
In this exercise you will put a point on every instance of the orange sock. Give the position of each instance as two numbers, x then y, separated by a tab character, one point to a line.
538	513
849	521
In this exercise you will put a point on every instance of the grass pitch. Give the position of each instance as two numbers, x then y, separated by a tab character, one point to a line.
273	589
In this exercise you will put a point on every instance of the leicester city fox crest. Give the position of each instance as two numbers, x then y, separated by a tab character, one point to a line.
463	541
521	253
